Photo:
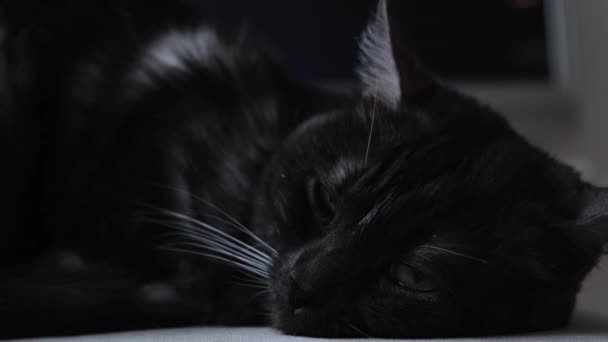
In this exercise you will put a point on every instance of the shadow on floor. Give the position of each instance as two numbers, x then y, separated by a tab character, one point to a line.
589	323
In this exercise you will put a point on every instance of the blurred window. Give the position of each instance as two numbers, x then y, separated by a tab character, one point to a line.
469	40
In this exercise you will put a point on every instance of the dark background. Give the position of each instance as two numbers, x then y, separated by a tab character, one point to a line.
464	39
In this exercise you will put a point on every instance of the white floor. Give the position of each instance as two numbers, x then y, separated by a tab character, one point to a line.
586	328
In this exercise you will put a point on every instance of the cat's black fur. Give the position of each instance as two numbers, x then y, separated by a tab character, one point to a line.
123	163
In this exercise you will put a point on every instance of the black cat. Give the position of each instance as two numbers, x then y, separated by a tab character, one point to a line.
172	177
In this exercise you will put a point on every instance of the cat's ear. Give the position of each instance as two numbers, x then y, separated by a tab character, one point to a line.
594	215
389	70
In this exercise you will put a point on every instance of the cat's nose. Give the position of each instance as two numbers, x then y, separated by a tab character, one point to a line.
301	301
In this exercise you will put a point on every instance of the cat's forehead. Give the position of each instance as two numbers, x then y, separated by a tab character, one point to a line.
456	187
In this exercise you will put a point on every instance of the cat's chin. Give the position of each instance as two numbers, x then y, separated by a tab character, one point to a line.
299	326
311	323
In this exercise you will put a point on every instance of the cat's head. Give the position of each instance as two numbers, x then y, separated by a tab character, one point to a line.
418	212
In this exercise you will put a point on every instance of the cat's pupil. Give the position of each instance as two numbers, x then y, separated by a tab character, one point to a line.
321	202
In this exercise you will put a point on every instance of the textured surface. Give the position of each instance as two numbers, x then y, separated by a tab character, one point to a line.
586	327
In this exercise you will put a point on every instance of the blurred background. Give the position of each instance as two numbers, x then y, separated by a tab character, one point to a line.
544	64
469	40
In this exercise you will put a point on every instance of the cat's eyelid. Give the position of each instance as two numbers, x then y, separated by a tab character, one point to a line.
454	253
342	171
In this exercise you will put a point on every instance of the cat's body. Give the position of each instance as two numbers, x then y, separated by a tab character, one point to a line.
158	137
127	130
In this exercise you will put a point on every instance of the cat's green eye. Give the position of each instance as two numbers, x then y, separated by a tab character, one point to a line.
407	276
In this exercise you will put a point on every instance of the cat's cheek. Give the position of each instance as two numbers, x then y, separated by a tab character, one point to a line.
278	299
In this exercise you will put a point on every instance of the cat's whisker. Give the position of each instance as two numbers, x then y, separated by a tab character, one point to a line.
253	282
251	285
239	225
255	270
245	230
358	330
371	132
218	243
237	245
455	253
216	257
234	225
227	252
224	252
211	228
262	282
228	255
